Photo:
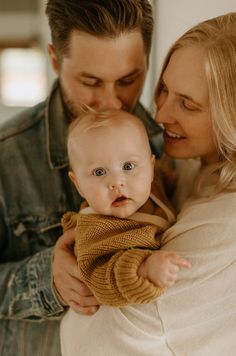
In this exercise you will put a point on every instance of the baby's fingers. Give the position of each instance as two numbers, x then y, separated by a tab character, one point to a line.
180	261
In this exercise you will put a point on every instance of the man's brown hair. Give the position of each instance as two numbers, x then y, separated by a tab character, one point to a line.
100	18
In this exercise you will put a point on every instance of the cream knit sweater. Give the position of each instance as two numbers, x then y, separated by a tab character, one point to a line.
195	317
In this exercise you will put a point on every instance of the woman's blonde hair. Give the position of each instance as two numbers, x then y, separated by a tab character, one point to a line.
217	38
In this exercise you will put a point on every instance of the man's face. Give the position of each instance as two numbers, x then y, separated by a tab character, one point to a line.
102	72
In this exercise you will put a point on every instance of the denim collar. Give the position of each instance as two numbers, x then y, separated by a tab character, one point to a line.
56	129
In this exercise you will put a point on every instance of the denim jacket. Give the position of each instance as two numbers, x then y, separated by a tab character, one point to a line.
34	193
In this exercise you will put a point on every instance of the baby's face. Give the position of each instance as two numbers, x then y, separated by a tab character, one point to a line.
114	171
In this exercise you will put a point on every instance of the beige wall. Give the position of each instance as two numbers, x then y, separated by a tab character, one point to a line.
172	18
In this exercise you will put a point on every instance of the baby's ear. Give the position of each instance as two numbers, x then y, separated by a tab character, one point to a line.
73	178
153	158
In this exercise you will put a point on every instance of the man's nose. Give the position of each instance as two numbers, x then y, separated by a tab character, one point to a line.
109	99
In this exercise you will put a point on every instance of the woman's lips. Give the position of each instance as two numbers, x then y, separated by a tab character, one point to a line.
172	137
173	134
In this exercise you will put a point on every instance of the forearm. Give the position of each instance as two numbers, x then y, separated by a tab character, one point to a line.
135	288
26	290
117	283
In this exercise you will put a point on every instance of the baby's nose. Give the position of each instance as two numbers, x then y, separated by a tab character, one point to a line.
116	185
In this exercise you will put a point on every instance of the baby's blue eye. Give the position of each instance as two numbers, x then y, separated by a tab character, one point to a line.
99	172
128	166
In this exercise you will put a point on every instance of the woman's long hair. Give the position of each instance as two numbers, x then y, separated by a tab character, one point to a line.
217	38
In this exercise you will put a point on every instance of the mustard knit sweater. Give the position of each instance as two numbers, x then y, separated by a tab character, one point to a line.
110	250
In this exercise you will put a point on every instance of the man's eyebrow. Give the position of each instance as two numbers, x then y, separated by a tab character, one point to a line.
134	72
92	76
87	75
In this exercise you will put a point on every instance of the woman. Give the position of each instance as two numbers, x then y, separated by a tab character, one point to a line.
196	100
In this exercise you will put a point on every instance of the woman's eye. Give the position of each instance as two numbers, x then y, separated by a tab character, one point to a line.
189	106
128	166
99	172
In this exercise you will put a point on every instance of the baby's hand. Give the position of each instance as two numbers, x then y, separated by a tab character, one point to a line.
162	268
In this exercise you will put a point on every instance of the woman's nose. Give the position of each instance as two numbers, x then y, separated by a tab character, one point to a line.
164	114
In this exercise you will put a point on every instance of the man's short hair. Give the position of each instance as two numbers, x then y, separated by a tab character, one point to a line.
100	18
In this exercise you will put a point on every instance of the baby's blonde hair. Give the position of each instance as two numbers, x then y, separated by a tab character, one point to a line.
91	119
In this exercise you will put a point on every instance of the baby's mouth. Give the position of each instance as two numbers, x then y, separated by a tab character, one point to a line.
121	200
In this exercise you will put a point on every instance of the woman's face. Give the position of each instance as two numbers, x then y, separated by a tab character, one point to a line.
183	107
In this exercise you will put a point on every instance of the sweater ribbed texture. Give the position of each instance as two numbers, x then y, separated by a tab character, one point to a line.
110	250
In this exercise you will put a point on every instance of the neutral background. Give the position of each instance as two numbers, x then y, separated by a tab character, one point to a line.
24	20
172	18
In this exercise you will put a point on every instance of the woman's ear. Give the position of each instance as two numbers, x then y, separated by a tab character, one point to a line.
75	182
53	58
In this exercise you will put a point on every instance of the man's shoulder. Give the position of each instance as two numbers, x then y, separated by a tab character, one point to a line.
22	121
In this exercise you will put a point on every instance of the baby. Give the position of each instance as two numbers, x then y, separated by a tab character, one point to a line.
118	234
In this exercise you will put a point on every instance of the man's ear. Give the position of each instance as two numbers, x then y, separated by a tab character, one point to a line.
75	182
53	58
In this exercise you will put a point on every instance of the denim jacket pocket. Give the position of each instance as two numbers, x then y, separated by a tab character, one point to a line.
33	233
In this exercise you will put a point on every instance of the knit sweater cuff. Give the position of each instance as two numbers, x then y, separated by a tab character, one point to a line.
134	288
69	220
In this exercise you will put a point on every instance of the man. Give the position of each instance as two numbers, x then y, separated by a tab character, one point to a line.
100	51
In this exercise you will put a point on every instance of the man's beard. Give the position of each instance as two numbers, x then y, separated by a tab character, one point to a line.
71	110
